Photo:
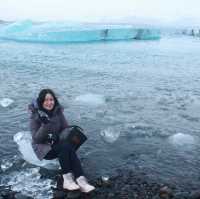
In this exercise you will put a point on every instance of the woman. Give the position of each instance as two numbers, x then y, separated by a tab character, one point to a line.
47	121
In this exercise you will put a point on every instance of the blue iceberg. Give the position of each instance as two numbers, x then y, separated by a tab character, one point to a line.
49	32
147	34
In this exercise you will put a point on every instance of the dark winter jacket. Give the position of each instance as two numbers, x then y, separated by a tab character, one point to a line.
40	131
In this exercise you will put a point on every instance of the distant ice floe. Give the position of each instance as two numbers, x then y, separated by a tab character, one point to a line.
110	135
29	182
50	32
5	102
90	99
23	140
181	139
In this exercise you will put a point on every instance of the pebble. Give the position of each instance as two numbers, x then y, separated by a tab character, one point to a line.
195	195
57	194
73	194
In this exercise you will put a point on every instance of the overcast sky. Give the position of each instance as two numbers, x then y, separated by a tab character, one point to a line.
93	10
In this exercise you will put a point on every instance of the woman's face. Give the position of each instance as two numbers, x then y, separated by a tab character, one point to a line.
49	102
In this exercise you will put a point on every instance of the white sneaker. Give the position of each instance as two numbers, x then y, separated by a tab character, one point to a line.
84	185
69	183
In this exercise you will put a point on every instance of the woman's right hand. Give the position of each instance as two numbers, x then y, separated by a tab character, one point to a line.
44	118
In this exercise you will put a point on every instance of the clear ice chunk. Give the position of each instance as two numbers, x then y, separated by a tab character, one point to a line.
110	135
90	99
24	140
5	102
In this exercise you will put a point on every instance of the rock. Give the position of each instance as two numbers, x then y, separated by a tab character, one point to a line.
73	194
156	197
57	194
111	195
98	183
106	183
165	192
181	195
126	188
7	193
21	196
195	195
60	193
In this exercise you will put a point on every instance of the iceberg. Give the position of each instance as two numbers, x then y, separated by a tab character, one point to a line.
181	139
49	32
147	34
5	102
28	182
90	99
110	135
18	27
23	140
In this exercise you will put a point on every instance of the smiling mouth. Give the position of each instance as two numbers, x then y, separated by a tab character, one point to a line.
49	107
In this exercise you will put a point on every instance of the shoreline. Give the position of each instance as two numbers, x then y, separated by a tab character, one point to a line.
126	184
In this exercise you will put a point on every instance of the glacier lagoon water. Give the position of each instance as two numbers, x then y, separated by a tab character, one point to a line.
138	102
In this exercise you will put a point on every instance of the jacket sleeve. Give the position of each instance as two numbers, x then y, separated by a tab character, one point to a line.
39	131
64	123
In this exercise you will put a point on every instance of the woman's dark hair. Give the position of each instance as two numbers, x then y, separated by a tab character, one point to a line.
42	95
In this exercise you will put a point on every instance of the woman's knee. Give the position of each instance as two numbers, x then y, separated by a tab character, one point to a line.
66	147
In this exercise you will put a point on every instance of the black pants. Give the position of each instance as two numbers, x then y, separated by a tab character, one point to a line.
67	157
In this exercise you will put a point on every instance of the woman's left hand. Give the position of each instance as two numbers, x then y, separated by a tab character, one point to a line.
52	138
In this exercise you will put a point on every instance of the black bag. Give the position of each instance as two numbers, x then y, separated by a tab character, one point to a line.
74	135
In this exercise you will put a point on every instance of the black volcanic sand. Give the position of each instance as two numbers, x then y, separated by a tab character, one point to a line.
124	185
